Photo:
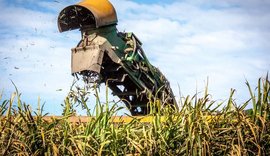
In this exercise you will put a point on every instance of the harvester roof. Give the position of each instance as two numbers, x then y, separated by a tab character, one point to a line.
88	13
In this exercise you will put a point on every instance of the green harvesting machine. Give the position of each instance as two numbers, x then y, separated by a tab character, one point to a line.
116	58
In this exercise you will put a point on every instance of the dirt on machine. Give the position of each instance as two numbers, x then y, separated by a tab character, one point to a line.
115	57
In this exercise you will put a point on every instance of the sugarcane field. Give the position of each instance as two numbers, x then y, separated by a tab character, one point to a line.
84	83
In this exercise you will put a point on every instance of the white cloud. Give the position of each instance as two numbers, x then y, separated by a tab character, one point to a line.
20	19
56	6
189	41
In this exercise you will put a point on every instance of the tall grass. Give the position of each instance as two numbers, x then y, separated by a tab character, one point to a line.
196	129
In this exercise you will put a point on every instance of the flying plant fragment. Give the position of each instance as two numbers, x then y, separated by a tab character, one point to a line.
117	57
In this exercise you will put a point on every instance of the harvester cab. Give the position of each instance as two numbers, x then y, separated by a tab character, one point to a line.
116	57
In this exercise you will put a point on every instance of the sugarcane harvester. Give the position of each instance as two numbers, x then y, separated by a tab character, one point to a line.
116	57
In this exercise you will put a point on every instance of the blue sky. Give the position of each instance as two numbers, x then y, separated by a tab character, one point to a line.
226	41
